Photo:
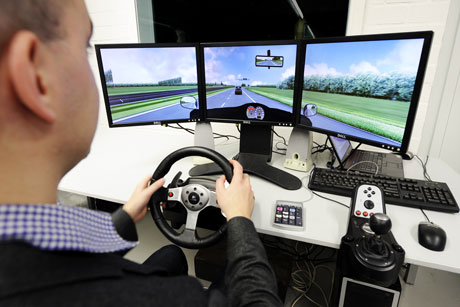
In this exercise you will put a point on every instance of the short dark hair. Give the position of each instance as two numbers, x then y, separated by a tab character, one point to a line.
43	17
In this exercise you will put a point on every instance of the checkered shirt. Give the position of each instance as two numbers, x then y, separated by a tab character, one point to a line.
51	227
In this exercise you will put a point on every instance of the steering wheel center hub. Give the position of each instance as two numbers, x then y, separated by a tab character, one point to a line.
195	197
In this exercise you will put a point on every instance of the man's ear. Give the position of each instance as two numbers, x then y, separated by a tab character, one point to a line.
25	76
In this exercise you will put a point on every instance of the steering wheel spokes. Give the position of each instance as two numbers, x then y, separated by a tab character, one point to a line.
193	196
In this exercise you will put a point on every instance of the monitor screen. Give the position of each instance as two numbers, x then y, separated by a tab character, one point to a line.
250	83
146	84
365	88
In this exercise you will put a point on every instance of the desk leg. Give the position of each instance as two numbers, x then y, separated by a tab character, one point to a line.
411	274
91	203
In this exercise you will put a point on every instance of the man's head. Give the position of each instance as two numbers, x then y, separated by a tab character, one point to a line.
48	96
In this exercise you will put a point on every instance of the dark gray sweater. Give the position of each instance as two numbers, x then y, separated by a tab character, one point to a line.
33	277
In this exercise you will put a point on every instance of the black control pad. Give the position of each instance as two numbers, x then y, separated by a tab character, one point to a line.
288	215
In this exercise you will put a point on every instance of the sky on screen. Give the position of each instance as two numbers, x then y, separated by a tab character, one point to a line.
150	65
351	58
230	65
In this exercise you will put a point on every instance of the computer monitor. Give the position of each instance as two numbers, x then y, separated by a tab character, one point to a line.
258	88
365	88
257	81
145	84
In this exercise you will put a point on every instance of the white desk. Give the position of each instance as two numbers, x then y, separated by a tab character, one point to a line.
121	157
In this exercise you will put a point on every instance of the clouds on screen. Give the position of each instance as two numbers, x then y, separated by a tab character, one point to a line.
404	58
257	83
320	69
363	67
214	67
288	72
150	65
215	70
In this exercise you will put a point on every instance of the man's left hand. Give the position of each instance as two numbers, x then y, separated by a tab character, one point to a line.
136	206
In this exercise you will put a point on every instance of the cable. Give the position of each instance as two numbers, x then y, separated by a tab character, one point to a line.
192	131
324	197
426	216
427	177
425	172
321	148
281	137
330	199
361	162
283	150
189	130
303	280
305	185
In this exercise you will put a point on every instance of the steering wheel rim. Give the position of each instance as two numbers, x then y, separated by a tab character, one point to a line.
188	238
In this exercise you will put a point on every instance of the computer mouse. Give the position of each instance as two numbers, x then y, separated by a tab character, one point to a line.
431	236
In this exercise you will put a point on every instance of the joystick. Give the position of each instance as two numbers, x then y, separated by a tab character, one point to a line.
374	246
368	250
369	257
380	224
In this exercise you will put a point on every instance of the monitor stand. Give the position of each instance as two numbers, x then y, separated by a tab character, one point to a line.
255	151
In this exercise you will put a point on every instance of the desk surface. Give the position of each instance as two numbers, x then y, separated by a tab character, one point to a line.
121	157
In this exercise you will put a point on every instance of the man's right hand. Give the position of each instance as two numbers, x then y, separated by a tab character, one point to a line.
237	199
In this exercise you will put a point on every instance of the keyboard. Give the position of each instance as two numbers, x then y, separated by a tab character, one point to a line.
405	192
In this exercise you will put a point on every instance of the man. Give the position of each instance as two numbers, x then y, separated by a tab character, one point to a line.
53	255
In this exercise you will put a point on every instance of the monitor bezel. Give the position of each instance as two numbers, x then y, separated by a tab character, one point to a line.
98	48
426	35
297	83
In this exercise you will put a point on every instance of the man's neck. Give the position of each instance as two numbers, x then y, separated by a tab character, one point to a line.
28	182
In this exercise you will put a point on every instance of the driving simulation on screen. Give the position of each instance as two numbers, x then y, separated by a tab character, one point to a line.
145	85
254	83
361	88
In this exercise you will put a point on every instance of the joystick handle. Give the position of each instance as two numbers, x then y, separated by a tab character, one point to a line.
380	224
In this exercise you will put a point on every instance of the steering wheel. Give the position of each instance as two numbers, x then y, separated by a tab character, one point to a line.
191	194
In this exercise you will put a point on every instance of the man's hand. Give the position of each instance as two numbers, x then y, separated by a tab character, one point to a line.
136	206
237	199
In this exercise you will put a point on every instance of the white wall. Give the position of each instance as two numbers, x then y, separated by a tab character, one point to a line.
114	21
442	124
388	16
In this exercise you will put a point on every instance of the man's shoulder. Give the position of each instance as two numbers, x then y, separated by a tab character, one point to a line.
25	269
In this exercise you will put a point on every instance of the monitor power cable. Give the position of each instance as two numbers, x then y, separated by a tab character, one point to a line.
280	150
192	131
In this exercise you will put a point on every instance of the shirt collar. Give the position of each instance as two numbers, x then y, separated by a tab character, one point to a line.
51	227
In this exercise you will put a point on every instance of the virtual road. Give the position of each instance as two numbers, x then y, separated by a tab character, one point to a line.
269	63
223	99
122	99
228	99
169	112
330	124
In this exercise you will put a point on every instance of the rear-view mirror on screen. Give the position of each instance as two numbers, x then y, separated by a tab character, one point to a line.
269	61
